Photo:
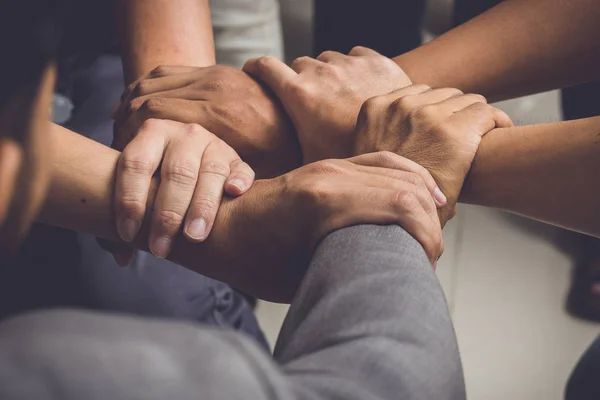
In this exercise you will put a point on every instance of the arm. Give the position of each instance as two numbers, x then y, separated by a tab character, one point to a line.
163	32
370	322
262	241
80	198
518	47
547	172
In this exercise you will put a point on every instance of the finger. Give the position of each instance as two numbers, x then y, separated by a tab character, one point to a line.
11	159
179	178
302	63
402	93
388	162
165	70
478	118
390	201
214	170
417	214
240	178
330	56
137	164
454	104
502	119
360	51
146	87
438	97
274	73
157	108
132	106
424	228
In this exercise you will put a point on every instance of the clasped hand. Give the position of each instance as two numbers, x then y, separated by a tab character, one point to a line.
339	106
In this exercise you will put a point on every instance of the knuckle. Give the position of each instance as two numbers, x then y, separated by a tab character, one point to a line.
159	71
265	61
300	60
427	112
141	88
135	164
168	220
401	105
204	205
131	206
406	200
194	129
133	105
215	168
478	98
152	124
417	181
374	105
388	158
328	167
421	87
326	54
153	105
182	173
454	92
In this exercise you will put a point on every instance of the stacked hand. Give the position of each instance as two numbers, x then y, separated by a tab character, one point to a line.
340	106
270	232
323	96
224	101
195	167
191	123
440	129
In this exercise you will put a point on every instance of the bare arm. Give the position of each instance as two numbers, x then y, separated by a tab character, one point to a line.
80	198
548	172
518	47
163	32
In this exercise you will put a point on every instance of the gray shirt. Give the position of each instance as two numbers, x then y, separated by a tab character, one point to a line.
369	322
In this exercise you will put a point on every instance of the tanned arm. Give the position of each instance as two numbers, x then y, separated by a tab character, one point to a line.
548	172
517	48
163	32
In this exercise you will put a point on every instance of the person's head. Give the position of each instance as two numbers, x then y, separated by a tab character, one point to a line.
27	74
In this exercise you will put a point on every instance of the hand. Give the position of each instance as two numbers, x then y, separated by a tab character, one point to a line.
195	168
440	129
279	222
225	101
323	96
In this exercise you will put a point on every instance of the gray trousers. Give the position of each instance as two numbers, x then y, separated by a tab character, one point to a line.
369	322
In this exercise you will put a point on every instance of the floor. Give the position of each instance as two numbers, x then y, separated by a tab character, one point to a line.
505	279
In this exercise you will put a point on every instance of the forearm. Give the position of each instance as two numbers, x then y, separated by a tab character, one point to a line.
547	172
519	47
80	198
163	32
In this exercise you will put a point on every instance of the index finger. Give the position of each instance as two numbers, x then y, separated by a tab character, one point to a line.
273	72
389	160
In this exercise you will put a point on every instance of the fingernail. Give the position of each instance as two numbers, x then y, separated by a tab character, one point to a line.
161	247
128	229
439	196
238	183
197	229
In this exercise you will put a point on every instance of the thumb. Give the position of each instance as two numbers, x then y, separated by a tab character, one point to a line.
272	72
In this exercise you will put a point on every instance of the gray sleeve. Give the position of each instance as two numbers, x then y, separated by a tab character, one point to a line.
369	322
